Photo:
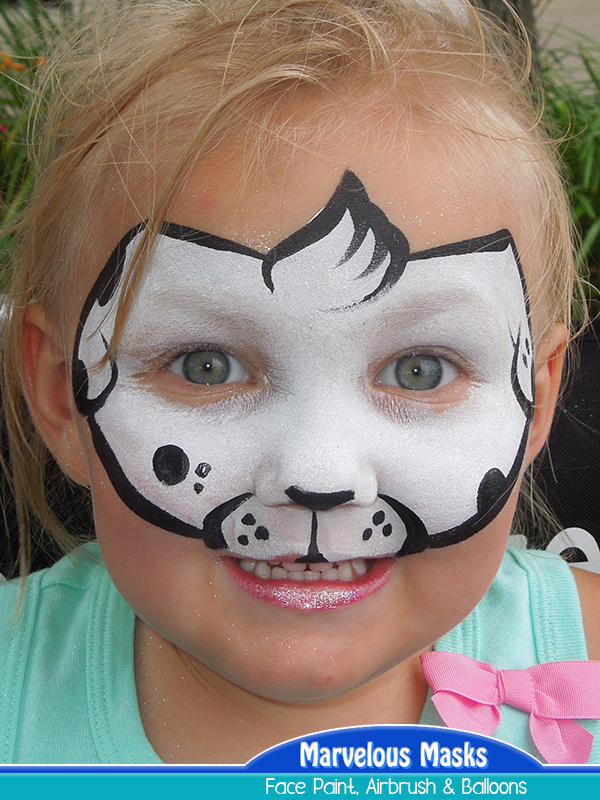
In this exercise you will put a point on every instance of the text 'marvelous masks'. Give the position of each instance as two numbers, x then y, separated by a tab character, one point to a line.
321	458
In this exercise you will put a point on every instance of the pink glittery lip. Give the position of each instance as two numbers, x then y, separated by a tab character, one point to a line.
313	596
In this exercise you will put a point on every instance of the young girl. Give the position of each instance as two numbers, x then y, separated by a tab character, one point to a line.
292	299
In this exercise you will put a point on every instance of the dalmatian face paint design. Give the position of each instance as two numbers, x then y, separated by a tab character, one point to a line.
330	445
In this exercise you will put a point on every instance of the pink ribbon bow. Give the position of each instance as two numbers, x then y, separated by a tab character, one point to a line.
468	695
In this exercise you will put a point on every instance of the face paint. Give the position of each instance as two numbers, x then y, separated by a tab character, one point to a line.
343	451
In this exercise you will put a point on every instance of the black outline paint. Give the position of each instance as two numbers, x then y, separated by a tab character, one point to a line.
211	530
349	197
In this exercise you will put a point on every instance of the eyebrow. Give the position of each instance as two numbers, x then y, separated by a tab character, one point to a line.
454	302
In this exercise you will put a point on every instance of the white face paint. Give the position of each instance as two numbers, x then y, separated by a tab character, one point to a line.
341	450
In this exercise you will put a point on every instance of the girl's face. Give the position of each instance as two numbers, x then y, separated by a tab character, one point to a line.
320	410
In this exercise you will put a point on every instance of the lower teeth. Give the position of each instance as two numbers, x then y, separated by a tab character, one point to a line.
284	570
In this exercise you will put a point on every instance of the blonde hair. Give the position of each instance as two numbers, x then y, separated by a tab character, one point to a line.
167	81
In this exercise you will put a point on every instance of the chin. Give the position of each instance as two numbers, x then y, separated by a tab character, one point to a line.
317	678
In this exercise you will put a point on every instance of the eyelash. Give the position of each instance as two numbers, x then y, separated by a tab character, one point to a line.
443	369
213	367
448	368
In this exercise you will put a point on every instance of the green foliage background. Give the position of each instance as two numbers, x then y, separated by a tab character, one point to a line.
570	75
571	82
26	30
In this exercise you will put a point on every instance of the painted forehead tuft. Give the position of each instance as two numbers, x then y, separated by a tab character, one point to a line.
370	253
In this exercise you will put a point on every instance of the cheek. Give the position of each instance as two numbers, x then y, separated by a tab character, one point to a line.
148	565
455	578
181	589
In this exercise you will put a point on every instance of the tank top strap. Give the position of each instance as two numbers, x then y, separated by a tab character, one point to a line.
531	614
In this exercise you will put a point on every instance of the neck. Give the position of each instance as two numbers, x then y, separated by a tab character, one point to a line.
191	714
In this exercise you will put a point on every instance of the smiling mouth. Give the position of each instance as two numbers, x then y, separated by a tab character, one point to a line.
310	587
343	571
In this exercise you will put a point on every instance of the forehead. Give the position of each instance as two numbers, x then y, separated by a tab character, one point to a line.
348	275
317	299
434	187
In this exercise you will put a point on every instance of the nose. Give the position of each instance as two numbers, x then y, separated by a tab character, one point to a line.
320	455
319	501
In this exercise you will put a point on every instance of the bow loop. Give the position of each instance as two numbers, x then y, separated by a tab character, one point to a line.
468	695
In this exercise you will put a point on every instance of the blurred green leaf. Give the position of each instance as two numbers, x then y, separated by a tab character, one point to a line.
26	32
570	72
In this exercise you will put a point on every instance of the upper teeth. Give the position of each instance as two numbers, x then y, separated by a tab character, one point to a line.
292	570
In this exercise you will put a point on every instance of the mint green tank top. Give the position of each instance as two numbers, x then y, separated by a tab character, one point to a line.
67	687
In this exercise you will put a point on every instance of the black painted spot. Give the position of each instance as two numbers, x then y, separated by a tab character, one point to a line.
378	518
261	532
491	489
243	539
525	360
248	519
203	469
528	346
198	487
170	464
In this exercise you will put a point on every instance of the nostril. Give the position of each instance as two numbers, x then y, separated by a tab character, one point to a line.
319	501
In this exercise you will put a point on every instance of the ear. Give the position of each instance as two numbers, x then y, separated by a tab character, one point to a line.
549	359
46	374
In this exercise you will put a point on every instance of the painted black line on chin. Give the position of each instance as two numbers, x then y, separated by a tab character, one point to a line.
314	555
213	532
210	532
417	537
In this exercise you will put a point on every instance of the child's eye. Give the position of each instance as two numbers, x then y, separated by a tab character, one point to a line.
418	372
209	368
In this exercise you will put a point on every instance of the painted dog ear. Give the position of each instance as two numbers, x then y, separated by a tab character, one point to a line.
47	388
94	376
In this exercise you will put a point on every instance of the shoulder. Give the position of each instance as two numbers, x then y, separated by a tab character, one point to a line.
556	576
534	604
69	629
48	596
77	570
588	586
525	618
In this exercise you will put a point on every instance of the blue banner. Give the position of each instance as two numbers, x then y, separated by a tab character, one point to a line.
363	762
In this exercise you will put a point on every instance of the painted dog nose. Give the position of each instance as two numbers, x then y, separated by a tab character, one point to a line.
319	501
